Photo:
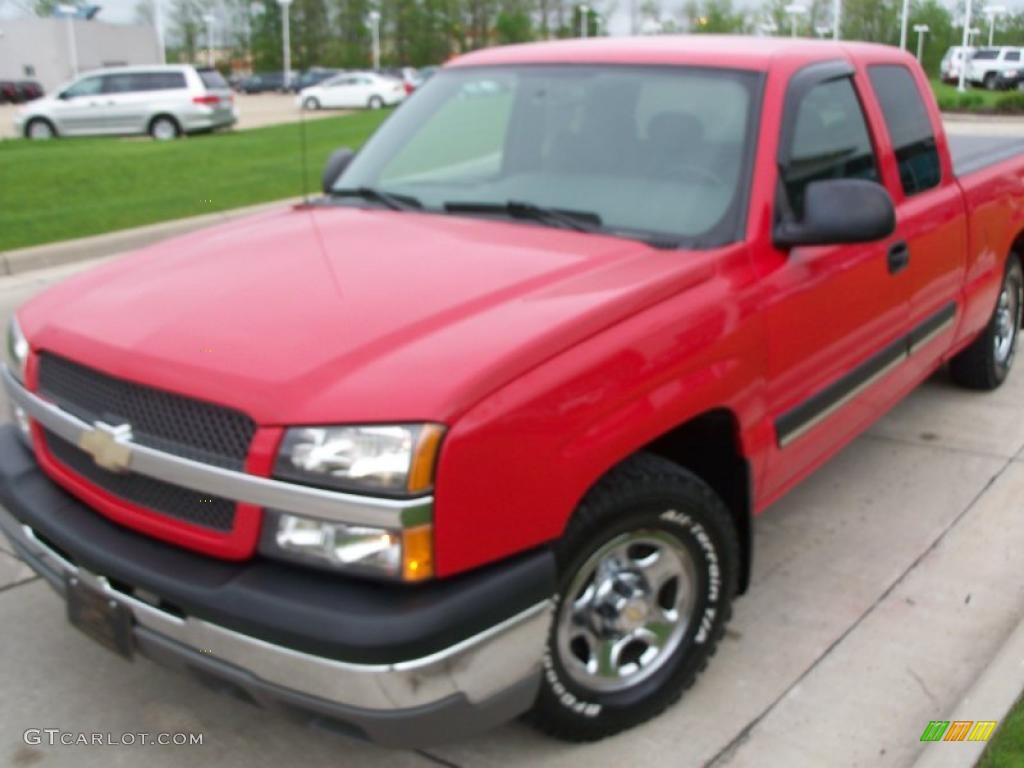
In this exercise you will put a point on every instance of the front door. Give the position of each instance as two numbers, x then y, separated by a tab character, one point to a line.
80	108
836	315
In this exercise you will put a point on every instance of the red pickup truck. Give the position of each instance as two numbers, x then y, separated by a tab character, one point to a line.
482	431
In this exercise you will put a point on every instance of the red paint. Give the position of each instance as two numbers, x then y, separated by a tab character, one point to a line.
551	355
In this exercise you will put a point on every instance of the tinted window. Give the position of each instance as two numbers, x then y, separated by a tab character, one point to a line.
135	82
909	127
212	79
122	83
830	141
986	54
1013	56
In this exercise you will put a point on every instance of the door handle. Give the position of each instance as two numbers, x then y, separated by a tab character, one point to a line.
899	257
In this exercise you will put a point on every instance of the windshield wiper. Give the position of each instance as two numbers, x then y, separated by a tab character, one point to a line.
393	201
581	221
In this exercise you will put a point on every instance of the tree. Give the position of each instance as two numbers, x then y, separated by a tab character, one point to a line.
267	52
714	17
939	37
310	33
876	21
145	13
513	24
186	17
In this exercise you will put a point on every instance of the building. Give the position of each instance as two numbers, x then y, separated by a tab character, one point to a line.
41	49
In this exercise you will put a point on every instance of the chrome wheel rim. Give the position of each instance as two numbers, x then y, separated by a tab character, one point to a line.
1007	321
163	130
40	130
626	610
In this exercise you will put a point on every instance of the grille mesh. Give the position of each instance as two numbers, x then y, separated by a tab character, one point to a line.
167	422
171	500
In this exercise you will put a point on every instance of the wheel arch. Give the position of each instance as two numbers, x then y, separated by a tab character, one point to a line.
169	115
39	119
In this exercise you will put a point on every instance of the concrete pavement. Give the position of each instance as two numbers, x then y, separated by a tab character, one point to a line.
883	587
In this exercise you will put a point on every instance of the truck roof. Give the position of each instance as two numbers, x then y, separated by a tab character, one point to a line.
727	51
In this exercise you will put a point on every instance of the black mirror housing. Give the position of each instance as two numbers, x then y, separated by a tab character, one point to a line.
336	165
838	211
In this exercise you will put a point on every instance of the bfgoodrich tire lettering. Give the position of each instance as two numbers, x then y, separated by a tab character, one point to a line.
646	502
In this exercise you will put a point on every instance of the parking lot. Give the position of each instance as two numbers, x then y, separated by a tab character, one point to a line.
255	111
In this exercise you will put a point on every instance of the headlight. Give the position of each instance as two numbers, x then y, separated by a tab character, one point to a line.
388	459
405	554
1010	73
17	349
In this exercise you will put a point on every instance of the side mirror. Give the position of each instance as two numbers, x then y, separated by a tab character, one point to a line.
336	165
63	96
838	211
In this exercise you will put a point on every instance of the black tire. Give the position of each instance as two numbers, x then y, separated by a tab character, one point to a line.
163	128
34	127
375	102
644	496
984	365
312	103
989	81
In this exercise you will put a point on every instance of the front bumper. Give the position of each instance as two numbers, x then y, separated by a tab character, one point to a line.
399	665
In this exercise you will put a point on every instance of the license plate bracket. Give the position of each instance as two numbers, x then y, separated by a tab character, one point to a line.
105	620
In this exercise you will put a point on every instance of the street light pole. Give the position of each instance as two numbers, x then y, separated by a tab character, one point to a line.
209	18
964	59
992	12
287	37
583	21
794	10
375	31
69	11
903	25
921	29
837	12
158	23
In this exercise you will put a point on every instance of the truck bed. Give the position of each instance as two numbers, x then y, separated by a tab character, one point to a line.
973	153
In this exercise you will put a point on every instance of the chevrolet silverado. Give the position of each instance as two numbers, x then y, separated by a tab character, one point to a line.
482	431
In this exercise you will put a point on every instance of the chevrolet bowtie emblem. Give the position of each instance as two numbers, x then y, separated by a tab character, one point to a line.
108	445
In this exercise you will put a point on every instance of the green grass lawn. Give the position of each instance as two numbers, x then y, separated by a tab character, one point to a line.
1006	750
76	187
977	100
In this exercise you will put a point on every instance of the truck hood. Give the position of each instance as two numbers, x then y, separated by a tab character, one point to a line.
341	314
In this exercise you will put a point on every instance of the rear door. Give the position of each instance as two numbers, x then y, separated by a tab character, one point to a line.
126	96
836	315
931	222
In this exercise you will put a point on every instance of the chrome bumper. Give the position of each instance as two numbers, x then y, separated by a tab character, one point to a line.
475	672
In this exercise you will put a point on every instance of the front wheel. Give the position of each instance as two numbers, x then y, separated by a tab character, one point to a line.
990	81
39	129
164	128
986	363
648	567
376	102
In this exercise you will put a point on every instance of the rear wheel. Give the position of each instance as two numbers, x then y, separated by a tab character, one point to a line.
986	363
375	102
647	570
164	128
39	129
311	103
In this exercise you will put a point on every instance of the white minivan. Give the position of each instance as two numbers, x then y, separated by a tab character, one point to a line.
164	101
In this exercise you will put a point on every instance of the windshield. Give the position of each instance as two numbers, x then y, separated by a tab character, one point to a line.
656	150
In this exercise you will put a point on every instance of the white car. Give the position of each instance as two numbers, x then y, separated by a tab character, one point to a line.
353	90
164	101
988	63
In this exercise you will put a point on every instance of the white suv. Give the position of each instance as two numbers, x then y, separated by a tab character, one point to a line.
987	63
164	101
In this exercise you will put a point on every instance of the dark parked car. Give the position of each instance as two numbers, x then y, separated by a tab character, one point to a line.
310	77
8	92
29	90
262	82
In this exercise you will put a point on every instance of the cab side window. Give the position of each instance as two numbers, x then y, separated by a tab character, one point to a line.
830	141
909	127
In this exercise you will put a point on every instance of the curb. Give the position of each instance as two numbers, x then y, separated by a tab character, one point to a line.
990	698
85	248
